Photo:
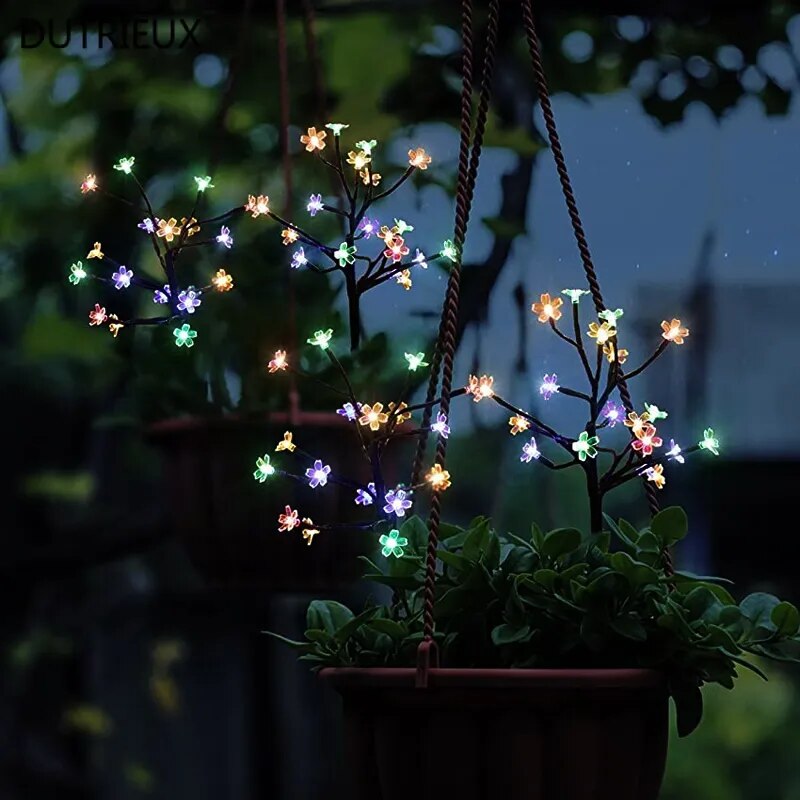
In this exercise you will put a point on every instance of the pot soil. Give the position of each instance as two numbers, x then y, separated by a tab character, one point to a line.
572	734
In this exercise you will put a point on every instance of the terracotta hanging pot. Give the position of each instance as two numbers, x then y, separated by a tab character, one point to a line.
227	521
474	734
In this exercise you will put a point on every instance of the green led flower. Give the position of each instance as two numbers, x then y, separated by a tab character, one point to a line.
654	412
263	469
366	146
203	183
336	127
77	273
345	255
402	226
611	317
184	336
709	442
125	164
449	250
416	360
321	338
574	294
586	446
393	544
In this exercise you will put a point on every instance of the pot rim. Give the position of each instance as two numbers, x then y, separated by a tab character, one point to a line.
405	677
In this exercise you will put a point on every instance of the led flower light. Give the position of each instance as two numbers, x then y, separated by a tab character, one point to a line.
601	333
147	225
396	250
162	296
168	229
263	469
96	251
318	474
674	452
115	327
440	426
367	146
449	250
518	424
289	520
549	386
396	411
98	316
314	140
358	159
188	300
548	309
586	446
610	316
709	442
77	273
415	361
480	388
337	128
401	226
404	279
257	206
392	544
203	183
278	362
286	443
314	205
348	411
373	415
654	412
438	478
222	281
309	533
321	338
365	498
613	413
655	474
609	351
368	227
397	502
368	177
289	236
674	332
419	158
184	336
225	237
419	259
189	224
122	278
89	183
530	451
345	254
646	440
636	423
387	234
125	164
574	294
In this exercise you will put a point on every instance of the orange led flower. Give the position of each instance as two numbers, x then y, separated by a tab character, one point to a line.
646	440
368	177
656	475
168	229
399	416
404	279
637	423
419	158
309	532
257	205
289	236
601	333
518	424
286	443
359	159
89	183
547	308
222	281
278	362
95	252
373	415
288	521
480	388
387	234
192	229
314	140
115	328
396	249
608	352
673	332
438	478
98	316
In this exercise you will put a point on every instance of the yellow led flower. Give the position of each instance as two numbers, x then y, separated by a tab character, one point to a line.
404	279
192	229
168	229
547	308
314	140
601	333
388	234
608	352
373	415
518	424
309	532
480	388
95	252
368	177
438	478
222	281
286	443
359	159
419	158
289	236
673	332
257	205
655	474
399	416
636	423
116	326
278	362
89	183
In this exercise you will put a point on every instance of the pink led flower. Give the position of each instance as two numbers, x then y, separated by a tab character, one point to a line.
289	520
98	316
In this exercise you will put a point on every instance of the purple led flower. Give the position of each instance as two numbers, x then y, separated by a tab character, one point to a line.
397	502
147	225
122	278
549	386
299	258
613	413
348	411
225	237
419	258
314	204
675	451
162	297
369	227
365	498
530	451
440	426
318	474
188	300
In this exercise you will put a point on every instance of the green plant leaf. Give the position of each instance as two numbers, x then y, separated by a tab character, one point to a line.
630	628
507	634
561	541
327	615
416	531
478	540
637	573
688	706
670	525
757	607
786	619
393	629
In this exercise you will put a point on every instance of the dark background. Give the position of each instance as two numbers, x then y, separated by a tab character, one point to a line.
132	660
